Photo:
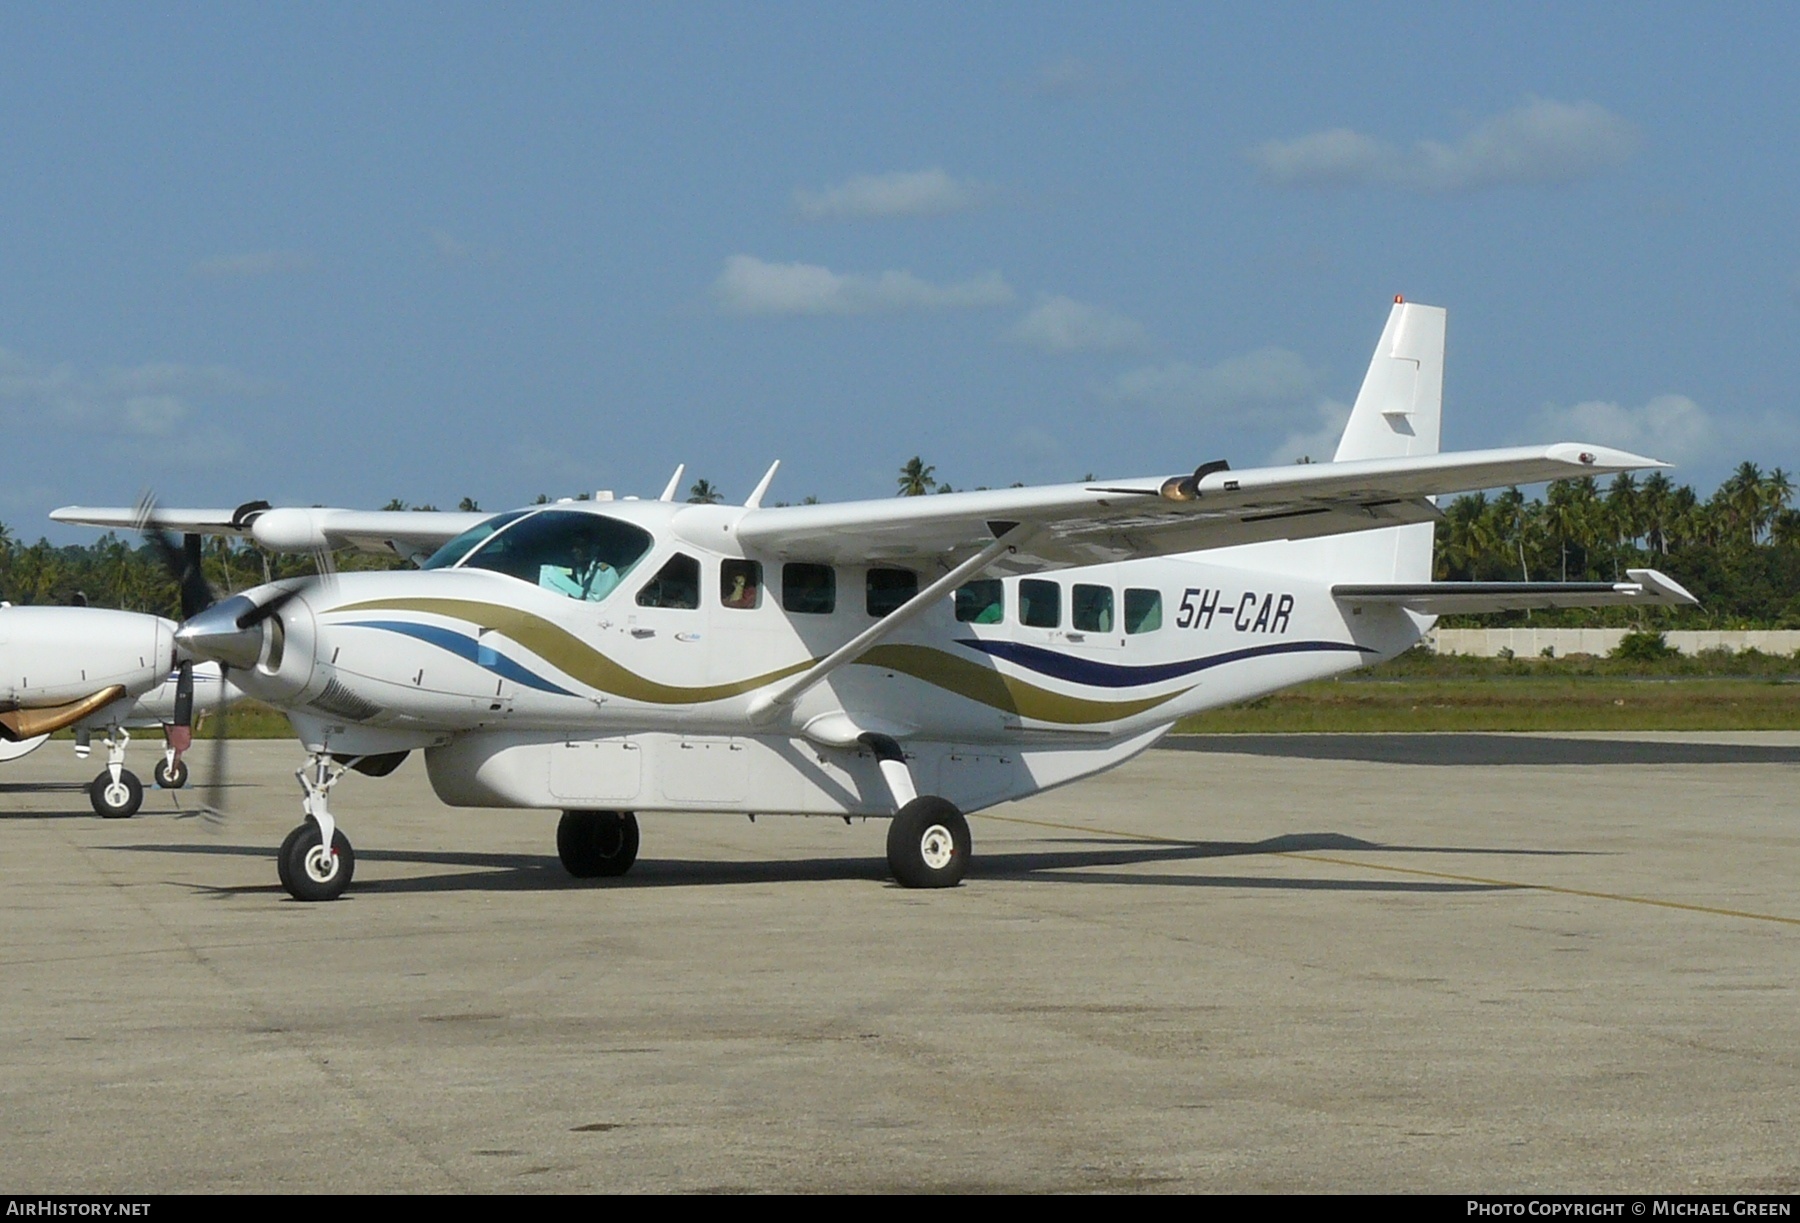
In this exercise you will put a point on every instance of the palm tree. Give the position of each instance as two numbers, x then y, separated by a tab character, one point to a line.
915	478
1653	504
703	493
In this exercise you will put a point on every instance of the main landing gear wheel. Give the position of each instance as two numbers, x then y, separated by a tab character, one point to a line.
928	844
308	871
171	779
594	844
116	800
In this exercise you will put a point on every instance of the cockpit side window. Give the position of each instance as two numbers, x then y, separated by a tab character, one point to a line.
577	554
676	584
463	544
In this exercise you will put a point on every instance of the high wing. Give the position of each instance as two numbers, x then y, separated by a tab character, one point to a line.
1093	523
414	534
1647	588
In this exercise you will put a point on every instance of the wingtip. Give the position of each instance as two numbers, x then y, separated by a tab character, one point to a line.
1601	458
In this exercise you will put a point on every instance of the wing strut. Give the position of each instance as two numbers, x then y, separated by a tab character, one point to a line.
765	705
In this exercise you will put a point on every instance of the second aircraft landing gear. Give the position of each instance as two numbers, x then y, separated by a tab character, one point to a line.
171	773
116	793
597	844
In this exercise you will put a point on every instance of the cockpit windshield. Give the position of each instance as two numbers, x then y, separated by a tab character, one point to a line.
447	556
581	555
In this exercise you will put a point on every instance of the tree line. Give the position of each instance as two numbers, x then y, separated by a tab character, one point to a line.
1738	550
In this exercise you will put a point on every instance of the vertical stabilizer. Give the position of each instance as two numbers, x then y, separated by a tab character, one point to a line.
1402	397
1396	416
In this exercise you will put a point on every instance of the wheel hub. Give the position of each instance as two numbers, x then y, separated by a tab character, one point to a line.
937	847
321	864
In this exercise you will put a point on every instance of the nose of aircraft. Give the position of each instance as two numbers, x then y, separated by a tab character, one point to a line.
215	634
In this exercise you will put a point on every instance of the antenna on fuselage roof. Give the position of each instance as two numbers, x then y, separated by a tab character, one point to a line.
762	486
668	494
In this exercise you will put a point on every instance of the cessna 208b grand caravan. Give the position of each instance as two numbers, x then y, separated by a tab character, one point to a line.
913	658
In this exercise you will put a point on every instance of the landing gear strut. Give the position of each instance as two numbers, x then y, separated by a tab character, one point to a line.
308	869
116	793
928	843
597	844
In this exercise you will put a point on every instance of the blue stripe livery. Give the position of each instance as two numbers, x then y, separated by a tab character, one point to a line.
1115	675
467	648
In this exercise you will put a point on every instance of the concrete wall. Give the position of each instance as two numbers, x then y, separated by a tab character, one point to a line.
1531	642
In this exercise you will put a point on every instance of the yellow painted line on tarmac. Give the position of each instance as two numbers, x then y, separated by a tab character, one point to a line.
1425	874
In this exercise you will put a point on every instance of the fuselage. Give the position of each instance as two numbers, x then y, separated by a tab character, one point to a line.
671	642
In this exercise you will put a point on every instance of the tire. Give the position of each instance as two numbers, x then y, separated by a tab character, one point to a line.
597	844
171	779
929	844
116	802
307	872
284	855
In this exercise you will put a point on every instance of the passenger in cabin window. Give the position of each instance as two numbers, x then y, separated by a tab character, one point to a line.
742	592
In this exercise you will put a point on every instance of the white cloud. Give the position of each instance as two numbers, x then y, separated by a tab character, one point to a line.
255	263
1062	324
1669	427
752	286
153	415
1540	142
917	193
1318	443
1269	380
151	400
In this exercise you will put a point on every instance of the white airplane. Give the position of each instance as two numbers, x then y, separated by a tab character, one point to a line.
912	658
105	672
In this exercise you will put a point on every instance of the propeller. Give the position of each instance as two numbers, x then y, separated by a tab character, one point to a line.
222	625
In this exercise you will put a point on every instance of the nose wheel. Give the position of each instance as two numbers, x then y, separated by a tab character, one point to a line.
171	776
308	870
316	862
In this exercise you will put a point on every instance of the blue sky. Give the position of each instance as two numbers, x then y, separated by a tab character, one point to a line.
328	254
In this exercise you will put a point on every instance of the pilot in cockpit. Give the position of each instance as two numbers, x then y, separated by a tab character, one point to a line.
585	577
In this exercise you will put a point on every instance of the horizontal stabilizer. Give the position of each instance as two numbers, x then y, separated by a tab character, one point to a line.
1647	588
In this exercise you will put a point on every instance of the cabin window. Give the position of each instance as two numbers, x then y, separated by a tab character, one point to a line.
676	584
572	552
889	588
1143	611
740	584
811	589
1040	603
981	601
1091	608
